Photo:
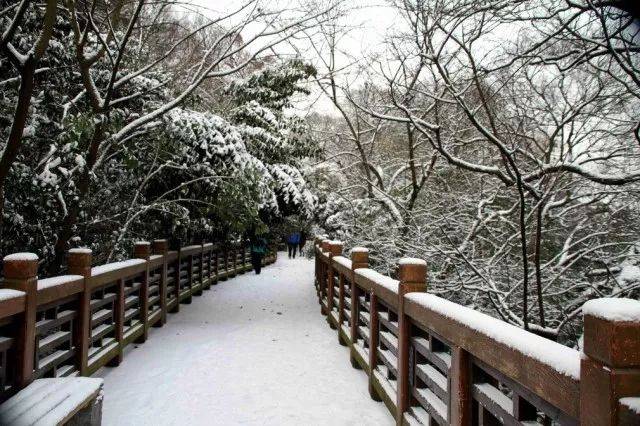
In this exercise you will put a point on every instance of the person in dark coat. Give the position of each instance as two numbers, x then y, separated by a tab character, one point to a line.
258	250
292	243
303	241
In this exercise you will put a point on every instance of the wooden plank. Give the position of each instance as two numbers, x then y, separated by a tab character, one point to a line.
10	307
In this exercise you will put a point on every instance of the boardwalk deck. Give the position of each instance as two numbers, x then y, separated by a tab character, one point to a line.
251	351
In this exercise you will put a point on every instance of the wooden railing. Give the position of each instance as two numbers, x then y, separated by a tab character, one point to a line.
75	324
432	361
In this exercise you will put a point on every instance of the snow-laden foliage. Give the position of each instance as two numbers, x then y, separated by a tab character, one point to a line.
498	141
277	138
123	141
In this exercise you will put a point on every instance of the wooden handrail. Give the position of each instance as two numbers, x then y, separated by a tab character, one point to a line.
77	323
433	361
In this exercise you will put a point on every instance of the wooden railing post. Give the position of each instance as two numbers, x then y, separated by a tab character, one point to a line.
316	241
79	263
142	250
460	400
318	270
359	259
119	323
233	261
413	278
161	247
610	365
216	264
335	249
190	282
21	273
374	340
323	279
224	252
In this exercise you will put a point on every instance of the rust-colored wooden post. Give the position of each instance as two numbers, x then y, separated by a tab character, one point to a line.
324	280
200	263
142	250
610	365
233	261
79	263
176	280
318	260
161	247
21	273
119	323
341	295
359	259
374	340
460	400
316	242
335	249
224	252
199	260
216	264
413	278
188	299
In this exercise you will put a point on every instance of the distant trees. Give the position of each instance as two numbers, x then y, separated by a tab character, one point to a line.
128	131
500	141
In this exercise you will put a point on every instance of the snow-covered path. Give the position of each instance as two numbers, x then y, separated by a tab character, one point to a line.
253	350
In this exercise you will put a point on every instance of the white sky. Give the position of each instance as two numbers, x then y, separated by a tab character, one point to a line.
369	21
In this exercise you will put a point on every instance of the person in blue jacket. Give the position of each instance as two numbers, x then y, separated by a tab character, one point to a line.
292	243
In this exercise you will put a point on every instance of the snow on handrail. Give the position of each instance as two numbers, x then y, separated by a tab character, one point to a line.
559	357
103	269
57	281
341	260
380	279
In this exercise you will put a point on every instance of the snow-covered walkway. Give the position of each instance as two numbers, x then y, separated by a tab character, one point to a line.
253	350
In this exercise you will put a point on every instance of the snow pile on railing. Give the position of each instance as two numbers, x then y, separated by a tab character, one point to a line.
632	403
343	261
559	357
21	257
613	309
8	293
103	269
412	261
56	281
80	250
379	279
359	250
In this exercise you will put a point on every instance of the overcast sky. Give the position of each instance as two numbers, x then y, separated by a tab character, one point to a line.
369	21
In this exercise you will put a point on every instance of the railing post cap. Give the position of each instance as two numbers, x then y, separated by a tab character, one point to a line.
80	253
359	257
335	247
412	270
160	246
20	265
612	331
142	249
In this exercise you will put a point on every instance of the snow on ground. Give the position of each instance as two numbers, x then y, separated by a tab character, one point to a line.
254	350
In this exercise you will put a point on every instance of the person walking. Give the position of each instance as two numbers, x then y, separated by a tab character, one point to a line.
258	249
292	243
303	241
